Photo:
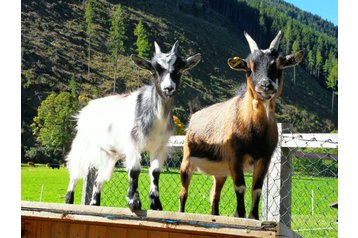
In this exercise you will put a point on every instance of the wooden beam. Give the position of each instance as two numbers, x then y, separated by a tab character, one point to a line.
147	220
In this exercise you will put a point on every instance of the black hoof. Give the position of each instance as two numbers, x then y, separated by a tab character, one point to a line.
156	206
238	215
69	198
134	205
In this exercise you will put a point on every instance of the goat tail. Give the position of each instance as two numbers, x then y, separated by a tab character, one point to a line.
76	161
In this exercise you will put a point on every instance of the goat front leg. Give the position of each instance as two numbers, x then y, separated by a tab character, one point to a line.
215	194
260	170
186	172
238	178
133	168
156	162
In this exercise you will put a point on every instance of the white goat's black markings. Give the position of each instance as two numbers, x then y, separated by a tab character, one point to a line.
121	127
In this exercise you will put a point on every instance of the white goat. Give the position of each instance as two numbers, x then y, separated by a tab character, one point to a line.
121	127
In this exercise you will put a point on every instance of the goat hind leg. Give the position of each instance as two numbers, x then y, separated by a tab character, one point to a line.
69	198
215	194
156	163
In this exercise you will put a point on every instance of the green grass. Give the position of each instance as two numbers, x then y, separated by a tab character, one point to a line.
322	223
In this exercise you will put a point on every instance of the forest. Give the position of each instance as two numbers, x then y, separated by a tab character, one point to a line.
74	51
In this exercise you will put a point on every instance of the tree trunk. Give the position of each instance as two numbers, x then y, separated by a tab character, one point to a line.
332	108
294	74
115	75
89	58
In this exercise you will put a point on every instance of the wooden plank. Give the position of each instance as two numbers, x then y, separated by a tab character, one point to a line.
58	230
97	231
116	232
179	235
158	234
201	236
306	140
44	229
136	233
77	231
160	215
28	228
148	220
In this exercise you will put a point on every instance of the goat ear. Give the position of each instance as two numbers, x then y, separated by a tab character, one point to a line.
237	63
292	60
142	63
191	62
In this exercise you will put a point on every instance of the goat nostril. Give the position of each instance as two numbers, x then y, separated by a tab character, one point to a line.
169	89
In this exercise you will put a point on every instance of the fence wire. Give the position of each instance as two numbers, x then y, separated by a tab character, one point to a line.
301	187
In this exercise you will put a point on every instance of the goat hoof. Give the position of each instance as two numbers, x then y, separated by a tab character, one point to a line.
156	206
253	217
134	205
238	215
69	198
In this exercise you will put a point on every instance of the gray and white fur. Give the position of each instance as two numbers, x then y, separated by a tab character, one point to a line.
121	127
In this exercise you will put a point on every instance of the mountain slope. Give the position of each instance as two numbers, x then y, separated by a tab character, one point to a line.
54	51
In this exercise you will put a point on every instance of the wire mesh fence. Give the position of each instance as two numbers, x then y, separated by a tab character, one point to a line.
301	185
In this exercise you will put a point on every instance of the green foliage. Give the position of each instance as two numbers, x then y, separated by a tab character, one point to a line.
89	18
143	46
303	121
117	34
333	75
73	86
53	126
296	46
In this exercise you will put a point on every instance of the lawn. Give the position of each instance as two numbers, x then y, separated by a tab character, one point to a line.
319	222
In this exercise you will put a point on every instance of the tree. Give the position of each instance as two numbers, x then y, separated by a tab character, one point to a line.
319	60
332	80
295	48
53	125
143	47
117	36
288	35
311	61
89	32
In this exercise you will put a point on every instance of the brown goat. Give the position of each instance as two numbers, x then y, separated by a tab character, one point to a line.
228	138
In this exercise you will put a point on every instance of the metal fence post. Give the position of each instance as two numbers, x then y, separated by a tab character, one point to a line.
277	189
87	187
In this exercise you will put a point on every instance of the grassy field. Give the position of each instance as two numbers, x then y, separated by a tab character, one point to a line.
319	222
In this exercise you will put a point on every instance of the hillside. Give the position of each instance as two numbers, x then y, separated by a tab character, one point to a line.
54	51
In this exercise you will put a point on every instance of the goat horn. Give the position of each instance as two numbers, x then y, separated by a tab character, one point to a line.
274	44
252	43
157	48
175	46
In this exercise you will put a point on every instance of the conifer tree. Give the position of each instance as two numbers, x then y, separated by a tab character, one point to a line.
89	31
143	47
117	36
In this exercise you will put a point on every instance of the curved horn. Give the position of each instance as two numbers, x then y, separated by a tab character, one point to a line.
157	48
252	43
175	46
275	42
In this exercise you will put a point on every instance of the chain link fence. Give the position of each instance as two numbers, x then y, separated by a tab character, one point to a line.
301	186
